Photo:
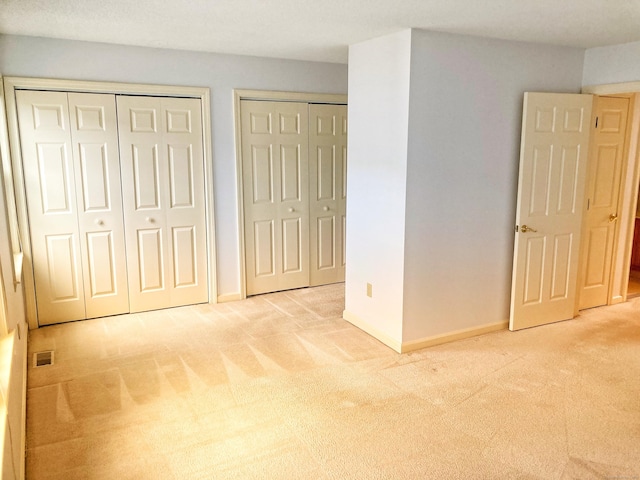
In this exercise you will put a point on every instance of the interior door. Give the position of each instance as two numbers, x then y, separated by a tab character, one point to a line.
603	189
163	197
276	195
99	198
549	211
49	175
327	192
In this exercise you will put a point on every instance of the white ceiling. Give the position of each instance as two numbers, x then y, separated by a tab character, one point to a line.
317	30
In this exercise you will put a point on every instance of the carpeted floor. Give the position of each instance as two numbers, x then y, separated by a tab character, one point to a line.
280	387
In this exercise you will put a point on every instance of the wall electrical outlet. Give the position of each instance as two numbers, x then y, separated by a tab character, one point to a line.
369	290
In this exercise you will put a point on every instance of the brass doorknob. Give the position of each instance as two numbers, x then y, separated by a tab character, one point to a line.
525	229
613	217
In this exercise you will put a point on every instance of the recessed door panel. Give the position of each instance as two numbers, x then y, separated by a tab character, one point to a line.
261	174
561	272
185	257
291	245
94	170
291	183
181	176
178	121
326	243
146	176
151	261
63	268
55	174
102	267
264	248
534	267
597	240
539	180
326	172
568	181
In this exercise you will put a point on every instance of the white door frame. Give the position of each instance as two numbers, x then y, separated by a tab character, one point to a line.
628	198
264	95
15	168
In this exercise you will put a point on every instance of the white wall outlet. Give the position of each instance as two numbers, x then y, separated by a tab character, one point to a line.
369	290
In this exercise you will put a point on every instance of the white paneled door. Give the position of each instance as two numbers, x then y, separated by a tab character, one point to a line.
164	205
294	194
327	192
115	197
603	189
276	195
72	181
549	212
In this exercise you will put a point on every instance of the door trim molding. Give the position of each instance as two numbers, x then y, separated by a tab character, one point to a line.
11	84
269	96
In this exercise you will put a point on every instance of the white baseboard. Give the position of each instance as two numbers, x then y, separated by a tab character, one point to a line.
403	347
374	332
229	297
455	335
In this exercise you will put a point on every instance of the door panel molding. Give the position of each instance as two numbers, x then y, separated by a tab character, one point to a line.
262	95
14	164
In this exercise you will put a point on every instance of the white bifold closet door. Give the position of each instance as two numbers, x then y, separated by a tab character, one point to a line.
164	207
276	196
327	192
72	180
294	193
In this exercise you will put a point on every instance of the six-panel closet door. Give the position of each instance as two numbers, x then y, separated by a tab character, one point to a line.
294	194
327	192
72	180
164	206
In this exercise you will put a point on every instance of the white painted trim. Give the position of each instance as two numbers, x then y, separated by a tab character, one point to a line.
11	84
374	332
273	96
608	89
10	197
229	297
455	335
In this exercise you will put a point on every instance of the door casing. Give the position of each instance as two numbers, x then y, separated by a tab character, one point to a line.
15	168
264	95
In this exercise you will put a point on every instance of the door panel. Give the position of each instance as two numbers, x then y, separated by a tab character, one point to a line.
603	189
45	136
99	199
553	165
276	202
327	191
162	179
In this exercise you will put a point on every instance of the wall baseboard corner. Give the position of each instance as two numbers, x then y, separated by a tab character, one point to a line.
374	332
229	297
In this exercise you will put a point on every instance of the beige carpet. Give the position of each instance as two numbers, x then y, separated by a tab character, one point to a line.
280	387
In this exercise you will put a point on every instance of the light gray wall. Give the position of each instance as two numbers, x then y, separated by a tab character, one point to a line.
463	154
379	72
613	64
49	58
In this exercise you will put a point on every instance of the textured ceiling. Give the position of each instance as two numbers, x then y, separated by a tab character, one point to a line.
317	30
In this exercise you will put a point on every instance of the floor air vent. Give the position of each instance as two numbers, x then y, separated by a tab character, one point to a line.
42	359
